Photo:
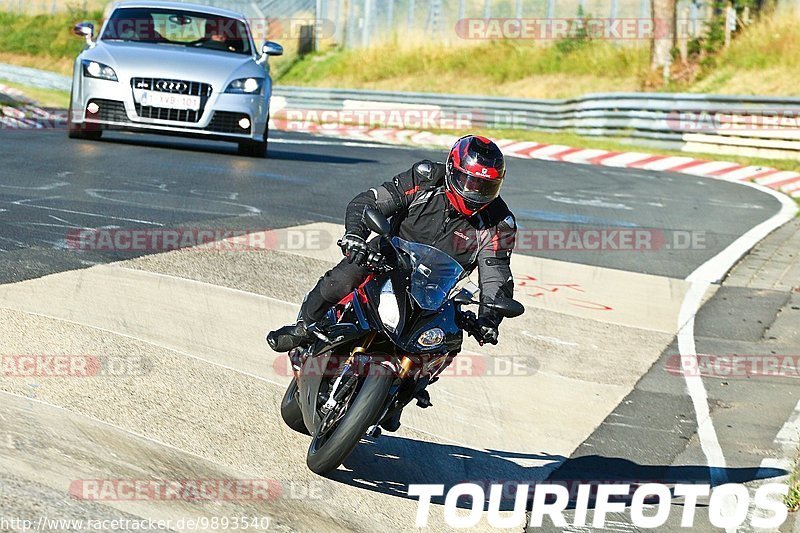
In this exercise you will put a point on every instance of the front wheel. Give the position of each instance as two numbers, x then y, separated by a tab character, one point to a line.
254	148
88	132
330	448
290	410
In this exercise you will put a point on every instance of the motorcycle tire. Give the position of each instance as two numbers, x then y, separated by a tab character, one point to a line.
290	410
325	457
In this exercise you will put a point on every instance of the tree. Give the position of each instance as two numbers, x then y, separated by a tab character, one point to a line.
663	38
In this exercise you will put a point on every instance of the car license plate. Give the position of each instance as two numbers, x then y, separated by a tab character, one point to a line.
170	101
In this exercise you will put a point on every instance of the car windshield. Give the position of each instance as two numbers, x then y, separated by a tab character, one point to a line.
434	273
178	27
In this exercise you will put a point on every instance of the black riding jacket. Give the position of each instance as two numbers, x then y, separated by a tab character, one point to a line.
420	212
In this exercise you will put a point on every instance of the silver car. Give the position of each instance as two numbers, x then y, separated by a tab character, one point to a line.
175	69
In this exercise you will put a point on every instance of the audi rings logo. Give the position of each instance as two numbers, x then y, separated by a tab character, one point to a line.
170	86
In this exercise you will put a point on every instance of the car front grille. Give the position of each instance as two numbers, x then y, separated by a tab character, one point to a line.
227	122
192	88
110	111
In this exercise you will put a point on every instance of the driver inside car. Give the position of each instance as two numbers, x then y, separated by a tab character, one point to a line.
217	35
454	207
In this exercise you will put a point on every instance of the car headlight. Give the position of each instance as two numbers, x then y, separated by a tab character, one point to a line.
431	338
93	69
245	86
387	307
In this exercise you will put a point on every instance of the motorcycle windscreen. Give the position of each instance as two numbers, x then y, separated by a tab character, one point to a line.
433	276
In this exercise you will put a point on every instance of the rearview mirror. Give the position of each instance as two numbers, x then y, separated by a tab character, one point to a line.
507	307
85	30
272	49
376	222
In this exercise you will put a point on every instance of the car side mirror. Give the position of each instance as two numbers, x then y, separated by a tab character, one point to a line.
376	222
507	308
272	49
85	30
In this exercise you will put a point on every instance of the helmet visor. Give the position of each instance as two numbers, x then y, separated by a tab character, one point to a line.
475	189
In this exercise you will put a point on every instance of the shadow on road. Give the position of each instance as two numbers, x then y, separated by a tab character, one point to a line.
169	142
390	464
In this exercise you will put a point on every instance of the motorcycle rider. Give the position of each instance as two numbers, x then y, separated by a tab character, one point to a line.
455	207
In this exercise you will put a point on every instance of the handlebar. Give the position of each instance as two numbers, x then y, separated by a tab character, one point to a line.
374	262
468	321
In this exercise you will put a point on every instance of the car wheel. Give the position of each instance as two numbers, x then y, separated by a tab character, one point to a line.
254	148
89	132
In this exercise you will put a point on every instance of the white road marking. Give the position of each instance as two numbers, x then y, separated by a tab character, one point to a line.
47	187
594	202
99	193
24	203
710	272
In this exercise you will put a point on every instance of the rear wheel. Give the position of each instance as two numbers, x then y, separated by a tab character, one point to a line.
333	443
290	410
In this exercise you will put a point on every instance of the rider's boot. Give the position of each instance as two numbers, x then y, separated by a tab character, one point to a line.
423	398
289	337
293	336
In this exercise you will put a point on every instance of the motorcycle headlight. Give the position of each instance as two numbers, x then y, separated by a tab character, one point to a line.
93	69
431	338
387	307
245	86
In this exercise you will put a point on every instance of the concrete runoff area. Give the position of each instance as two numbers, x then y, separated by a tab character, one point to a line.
192	326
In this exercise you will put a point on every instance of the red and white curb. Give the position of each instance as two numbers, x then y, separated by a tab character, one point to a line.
27	115
784	181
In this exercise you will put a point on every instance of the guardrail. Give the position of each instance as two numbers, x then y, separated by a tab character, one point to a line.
725	124
744	125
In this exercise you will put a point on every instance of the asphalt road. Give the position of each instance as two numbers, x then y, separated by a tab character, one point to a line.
50	185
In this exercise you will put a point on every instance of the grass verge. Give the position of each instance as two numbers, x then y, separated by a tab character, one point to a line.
792	499
43	41
44	97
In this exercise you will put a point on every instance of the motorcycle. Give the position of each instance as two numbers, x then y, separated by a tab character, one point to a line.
380	347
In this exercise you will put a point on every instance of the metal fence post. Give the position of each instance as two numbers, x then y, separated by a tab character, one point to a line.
337	23
368	12
518	9
613	9
390	16
410	22
350	17
551	9
462	9
487	9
